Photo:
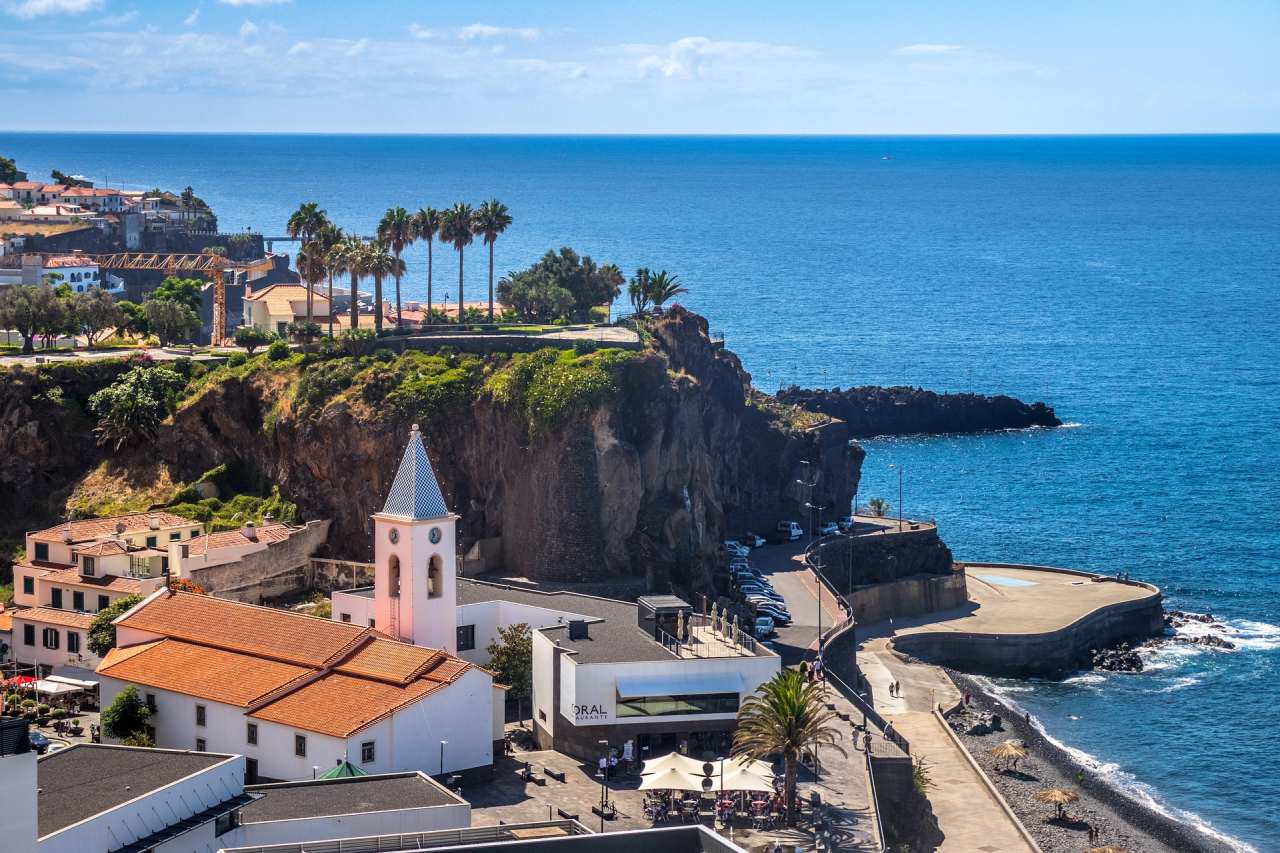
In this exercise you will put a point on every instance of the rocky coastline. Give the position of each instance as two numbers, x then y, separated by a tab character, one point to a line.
869	411
1119	819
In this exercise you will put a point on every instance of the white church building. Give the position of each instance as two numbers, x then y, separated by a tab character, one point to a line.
653	673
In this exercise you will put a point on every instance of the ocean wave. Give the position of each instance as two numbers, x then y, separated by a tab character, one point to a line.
1117	777
1087	679
1243	633
1180	683
1071	425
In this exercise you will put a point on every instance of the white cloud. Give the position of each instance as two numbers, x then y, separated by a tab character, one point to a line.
693	56
37	8
248	30
420	32
927	49
114	21
190	20
300	48
254	2
358	48
488	31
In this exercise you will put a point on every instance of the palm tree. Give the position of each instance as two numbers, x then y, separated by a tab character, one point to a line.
455	228
789	716
312	265
663	286
351	257
426	222
303	224
638	291
328	237
396	231
379	264
490	220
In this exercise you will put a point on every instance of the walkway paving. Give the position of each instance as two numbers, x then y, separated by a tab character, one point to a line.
969	816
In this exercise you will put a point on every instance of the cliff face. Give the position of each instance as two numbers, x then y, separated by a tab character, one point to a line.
648	481
871	411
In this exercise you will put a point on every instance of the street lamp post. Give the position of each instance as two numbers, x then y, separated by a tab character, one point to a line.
816	510
443	744
604	780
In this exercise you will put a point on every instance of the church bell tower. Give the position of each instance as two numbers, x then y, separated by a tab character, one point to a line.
415	556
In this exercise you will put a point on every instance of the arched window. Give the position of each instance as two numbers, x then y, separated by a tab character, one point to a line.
393	576
435	577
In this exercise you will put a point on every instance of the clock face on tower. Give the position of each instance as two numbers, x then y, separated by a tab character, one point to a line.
394	535
435	536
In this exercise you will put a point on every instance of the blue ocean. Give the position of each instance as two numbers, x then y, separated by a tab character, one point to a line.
1133	283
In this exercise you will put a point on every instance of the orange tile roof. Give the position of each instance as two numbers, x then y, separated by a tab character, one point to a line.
281	299
387	660
260	631
200	671
249	656
54	616
6	620
341	705
268	534
115	583
108	548
27	185
88	529
68	261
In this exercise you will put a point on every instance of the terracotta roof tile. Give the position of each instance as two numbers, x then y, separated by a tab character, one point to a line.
115	583
6	620
199	671
108	548
88	529
387	660
54	616
269	534
261	631
341	705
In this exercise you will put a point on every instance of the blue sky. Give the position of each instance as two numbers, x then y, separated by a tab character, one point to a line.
642	67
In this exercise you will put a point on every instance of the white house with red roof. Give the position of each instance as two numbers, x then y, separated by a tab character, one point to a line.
75	569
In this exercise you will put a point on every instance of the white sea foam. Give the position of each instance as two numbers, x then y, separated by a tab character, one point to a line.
1088	678
1244	633
1071	425
1120	779
1180	683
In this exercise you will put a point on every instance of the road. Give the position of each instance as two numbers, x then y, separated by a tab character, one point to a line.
783	565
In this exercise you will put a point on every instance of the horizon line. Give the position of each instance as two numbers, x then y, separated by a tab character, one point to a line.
657	134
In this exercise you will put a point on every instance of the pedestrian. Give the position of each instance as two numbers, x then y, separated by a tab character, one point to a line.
613	764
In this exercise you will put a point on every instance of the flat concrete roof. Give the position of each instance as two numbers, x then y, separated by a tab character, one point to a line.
1024	600
87	779
352	795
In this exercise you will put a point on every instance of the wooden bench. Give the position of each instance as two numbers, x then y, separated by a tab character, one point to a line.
566	815
558	775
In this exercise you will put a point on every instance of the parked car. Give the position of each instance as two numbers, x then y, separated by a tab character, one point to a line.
790	531
829	528
846	523
752	541
777	614
762	592
763	628
745	572
761	603
38	741
734	549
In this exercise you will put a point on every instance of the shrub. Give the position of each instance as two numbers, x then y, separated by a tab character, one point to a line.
358	342
126	716
42	709
323	381
278	351
251	337
384	355
133	406
102	634
548	386
236	359
583	346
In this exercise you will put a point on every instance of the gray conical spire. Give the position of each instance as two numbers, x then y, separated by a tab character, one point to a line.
415	493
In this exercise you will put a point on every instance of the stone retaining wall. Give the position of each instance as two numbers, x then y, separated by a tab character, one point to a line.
907	597
850	562
280	570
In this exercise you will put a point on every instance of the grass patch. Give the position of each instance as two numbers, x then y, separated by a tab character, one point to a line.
550	386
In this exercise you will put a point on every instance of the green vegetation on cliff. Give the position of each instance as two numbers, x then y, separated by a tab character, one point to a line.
548	387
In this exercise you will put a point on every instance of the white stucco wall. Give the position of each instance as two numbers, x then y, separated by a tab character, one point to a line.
152	811
358	607
488	616
409	740
543	681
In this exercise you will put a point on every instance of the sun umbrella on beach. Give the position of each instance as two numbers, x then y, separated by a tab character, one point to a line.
1057	796
1009	750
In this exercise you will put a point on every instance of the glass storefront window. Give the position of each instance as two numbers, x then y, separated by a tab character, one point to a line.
664	706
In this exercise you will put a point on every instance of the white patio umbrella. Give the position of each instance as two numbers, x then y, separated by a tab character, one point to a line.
671	779
745	780
672	761
754	765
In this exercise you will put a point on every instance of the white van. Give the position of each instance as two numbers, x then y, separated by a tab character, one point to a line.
790	530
